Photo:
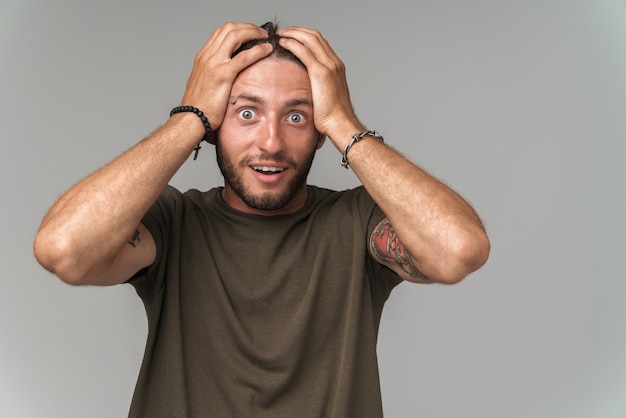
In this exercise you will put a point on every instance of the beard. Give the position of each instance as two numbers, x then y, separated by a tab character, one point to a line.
266	201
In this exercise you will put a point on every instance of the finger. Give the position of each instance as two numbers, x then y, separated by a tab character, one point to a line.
314	58
237	36
226	39
218	35
312	38
250	56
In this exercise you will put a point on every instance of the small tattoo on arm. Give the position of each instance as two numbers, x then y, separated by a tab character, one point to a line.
385	245
134	240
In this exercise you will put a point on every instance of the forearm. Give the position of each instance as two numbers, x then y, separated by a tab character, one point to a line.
86	228
84	237
440	230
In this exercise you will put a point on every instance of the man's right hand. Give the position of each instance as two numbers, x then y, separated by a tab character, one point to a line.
214	71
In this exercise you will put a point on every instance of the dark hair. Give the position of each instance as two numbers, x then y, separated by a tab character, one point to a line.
277	50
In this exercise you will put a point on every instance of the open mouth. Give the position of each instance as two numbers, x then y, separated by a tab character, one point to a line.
267	170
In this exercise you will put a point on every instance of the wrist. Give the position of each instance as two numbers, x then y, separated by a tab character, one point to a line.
342	133
206	126
189	124
356	138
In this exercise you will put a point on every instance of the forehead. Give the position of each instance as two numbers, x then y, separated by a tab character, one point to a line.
273	78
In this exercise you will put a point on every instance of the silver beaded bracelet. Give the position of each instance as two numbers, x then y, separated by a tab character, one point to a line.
356	138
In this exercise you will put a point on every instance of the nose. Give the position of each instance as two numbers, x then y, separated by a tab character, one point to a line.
270	139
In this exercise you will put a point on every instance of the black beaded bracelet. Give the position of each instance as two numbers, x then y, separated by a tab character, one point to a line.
208	132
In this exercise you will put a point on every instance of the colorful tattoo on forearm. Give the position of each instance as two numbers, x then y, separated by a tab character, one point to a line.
386	245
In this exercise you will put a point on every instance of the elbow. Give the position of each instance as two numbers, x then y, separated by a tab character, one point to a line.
55	254
469	253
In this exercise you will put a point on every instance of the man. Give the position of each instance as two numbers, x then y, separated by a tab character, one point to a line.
263	296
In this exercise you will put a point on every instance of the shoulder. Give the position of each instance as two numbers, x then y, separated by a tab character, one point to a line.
355	197
350	208
172	197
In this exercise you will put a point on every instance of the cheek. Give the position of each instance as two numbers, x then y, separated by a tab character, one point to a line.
227	128
307	137
232	136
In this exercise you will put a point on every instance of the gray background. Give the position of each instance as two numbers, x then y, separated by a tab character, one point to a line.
519	105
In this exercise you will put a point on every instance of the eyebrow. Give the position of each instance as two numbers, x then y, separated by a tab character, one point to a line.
250	98
298	102
259	100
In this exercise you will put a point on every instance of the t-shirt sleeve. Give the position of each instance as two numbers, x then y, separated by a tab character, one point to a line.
382	278
160	220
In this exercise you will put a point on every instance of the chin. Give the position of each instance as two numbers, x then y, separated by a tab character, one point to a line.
267	201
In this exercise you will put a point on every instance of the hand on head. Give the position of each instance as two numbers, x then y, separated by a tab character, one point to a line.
214	71
329	87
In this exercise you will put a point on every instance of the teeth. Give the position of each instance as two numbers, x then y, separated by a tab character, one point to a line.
264	168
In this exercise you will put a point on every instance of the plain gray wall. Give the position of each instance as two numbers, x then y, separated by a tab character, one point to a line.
518	105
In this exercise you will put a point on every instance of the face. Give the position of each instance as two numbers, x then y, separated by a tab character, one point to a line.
267	140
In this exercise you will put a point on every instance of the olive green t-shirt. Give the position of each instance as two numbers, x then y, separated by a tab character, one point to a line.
255	316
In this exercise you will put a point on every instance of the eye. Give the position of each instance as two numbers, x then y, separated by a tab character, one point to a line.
246	114
296	118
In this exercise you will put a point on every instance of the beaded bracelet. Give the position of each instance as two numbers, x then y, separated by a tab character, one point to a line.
356	138
208	132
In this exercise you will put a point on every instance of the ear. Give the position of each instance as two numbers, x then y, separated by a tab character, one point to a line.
321	138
